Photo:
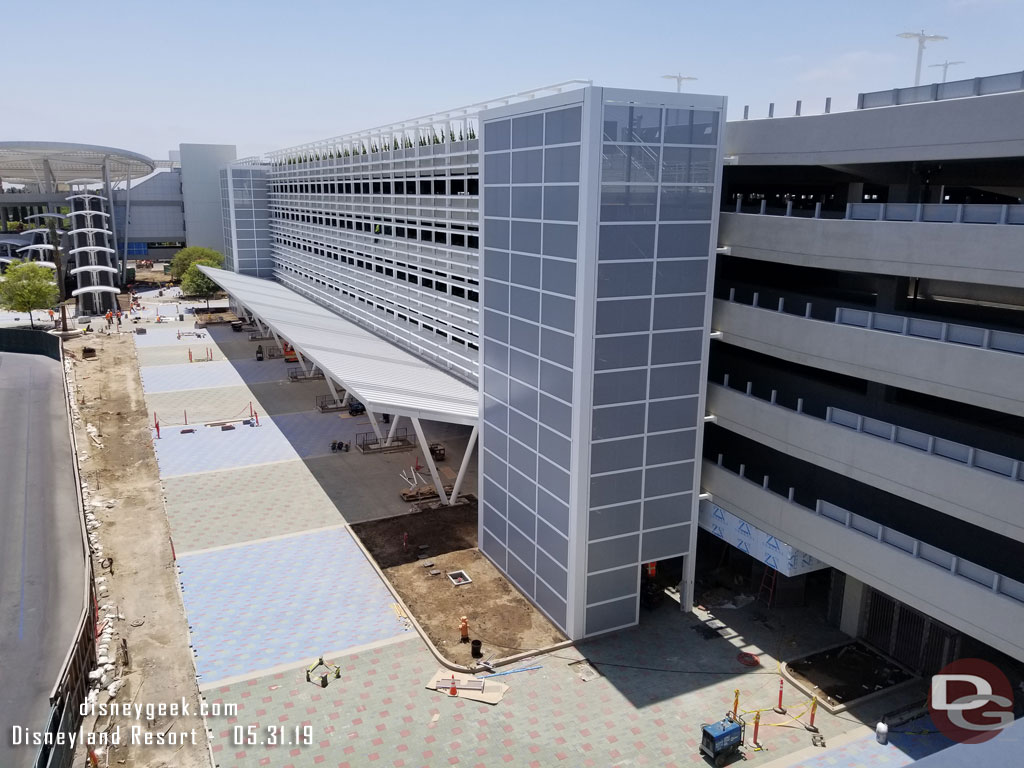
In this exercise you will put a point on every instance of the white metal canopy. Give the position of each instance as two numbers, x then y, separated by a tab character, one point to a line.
95	289
88	213
94	268
39	247
384	377
92	248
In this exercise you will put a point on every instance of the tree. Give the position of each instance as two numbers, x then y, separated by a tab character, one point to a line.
186	257
28	286
195	283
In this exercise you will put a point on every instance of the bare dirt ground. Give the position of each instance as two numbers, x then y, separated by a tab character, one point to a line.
134	534
498	614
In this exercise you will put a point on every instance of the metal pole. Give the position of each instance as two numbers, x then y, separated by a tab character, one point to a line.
920	56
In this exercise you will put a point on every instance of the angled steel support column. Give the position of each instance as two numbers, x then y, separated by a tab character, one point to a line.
346	398
393	430
430	460
330	386
375	425
465	463
280	346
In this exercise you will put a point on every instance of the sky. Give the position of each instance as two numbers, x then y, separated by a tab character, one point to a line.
267	75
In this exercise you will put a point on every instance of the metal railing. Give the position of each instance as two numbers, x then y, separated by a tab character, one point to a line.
955	89
967	335
933	213
909	438
935	556
935	330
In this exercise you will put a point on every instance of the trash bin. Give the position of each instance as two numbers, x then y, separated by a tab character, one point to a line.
259	353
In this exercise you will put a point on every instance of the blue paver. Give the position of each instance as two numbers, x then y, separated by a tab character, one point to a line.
209	449
173	378
260	605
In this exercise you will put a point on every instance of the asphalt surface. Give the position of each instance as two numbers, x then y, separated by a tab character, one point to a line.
41	557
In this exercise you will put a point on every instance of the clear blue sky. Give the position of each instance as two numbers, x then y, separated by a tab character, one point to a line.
266	75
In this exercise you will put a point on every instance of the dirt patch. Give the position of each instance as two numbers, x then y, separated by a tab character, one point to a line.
499	616
847	673
123	490
435	533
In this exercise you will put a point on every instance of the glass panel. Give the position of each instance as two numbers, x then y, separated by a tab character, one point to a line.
562	164
632	124
621	202
684	126
636	163
563	126
526	166
686	203
683	165
626	241
496	135
527	131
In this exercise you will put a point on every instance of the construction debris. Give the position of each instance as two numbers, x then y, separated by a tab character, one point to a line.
465	687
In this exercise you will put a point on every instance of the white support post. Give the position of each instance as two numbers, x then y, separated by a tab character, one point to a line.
277	339
465	463
330	386
346	398
375	425
425	446
393	430
307	367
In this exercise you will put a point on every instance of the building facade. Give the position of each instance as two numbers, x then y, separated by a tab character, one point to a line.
599	209
855	423
866	383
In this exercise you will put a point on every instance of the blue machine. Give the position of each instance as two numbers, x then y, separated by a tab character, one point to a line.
722	739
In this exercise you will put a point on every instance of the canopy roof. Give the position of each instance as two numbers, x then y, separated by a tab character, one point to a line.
41	161
384	377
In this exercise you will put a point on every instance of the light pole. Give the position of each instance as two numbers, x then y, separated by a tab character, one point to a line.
679	80
945	67
922	39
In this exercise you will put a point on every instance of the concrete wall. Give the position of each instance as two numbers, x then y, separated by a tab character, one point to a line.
958	602
980	377
972	128
992	254
200	186
968	493
157	209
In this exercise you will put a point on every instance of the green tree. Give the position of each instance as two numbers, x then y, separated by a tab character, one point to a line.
195	283
27	286
186	257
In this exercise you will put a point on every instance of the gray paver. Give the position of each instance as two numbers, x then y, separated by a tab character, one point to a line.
659	682
229	507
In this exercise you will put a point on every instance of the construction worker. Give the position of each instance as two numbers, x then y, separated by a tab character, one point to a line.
118	316
51	317
110	318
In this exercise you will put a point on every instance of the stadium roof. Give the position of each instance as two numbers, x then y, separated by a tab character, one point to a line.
44	162
383	376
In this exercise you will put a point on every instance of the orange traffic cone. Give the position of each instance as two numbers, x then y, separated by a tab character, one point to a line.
454	690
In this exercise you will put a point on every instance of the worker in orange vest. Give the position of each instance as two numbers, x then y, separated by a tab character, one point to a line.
110	318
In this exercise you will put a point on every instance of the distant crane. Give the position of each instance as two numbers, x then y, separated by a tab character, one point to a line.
923	39
679	80
945	67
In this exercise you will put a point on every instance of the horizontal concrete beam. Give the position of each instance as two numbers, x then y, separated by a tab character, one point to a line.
989	254
967	493
971	608
980	377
